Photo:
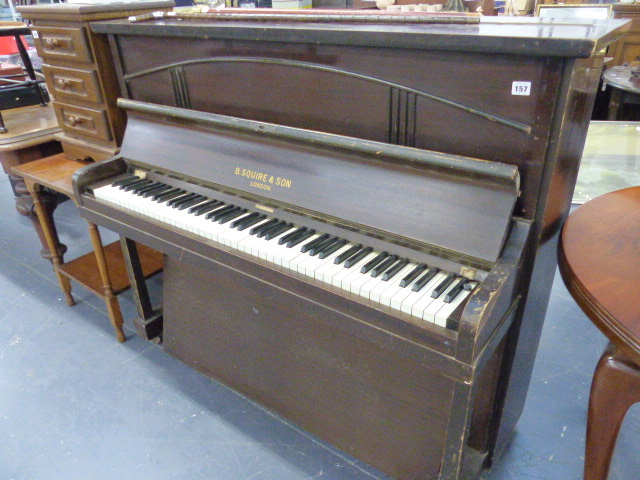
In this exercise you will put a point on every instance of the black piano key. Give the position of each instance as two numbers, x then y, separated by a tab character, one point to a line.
215	215
232	215
222	216
252	222
290	236
443	285
412	275
166	195
424	279
373	262
382	267
322	245
194	201
141	189
133	182
131	186
169	197
347	253
351	261
264	231
161	187
333	248
274	232
239	222
125	181
176	202
263	226
455	290
177	198
300	238
309	245
393	271
205	207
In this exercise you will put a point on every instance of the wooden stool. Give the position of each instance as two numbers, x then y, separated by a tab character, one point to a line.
599	259
102	271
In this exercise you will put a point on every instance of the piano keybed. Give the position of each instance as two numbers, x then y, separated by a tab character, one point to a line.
383	279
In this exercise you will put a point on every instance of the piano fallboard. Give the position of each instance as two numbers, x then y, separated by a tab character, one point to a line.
442	202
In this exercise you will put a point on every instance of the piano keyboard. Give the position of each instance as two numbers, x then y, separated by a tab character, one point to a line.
385	280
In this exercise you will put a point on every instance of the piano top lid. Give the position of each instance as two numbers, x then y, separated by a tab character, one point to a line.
452	204
515	35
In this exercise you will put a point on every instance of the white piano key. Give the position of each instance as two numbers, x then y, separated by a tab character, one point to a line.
394	287
443	314
384	293
413	297
310	266
421	305
429	314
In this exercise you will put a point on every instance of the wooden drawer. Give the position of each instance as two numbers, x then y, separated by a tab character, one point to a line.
72	83
83	121
55	43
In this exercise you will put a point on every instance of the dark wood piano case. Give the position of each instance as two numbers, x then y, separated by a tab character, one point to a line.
514	91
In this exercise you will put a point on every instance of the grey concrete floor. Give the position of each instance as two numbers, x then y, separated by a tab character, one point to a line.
76	405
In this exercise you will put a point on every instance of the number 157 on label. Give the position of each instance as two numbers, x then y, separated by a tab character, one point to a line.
521	88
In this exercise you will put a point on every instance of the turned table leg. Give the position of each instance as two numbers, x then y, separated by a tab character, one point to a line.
615	388
24	202
47	229
113	306
25	205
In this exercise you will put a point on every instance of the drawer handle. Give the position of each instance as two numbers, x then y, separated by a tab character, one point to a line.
63	83
75	121
52	42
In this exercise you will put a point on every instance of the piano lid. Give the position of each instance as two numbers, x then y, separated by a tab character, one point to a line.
512	35
453	203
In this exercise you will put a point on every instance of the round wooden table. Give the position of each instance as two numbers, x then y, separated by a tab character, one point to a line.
625	90
599	259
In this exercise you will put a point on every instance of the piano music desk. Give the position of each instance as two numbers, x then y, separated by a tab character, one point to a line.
599	261
103	271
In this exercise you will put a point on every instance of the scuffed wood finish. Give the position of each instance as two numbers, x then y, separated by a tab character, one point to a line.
418	88
599	260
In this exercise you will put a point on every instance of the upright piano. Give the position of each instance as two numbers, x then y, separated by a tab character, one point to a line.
359	212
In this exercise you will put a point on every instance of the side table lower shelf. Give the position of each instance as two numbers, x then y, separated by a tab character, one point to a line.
103	271
84	269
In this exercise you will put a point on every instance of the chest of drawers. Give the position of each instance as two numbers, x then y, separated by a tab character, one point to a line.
78	68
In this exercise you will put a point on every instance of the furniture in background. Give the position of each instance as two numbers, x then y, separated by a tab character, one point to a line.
624	103
627	49
103	271
599	261
31	136
78	68
20	90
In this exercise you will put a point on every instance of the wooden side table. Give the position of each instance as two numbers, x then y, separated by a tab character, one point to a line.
103	271
31	136
625	91
599	259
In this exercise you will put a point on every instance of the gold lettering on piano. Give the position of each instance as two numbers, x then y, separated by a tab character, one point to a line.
263	180
260	185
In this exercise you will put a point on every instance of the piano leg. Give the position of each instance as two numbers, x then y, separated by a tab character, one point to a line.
149	321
